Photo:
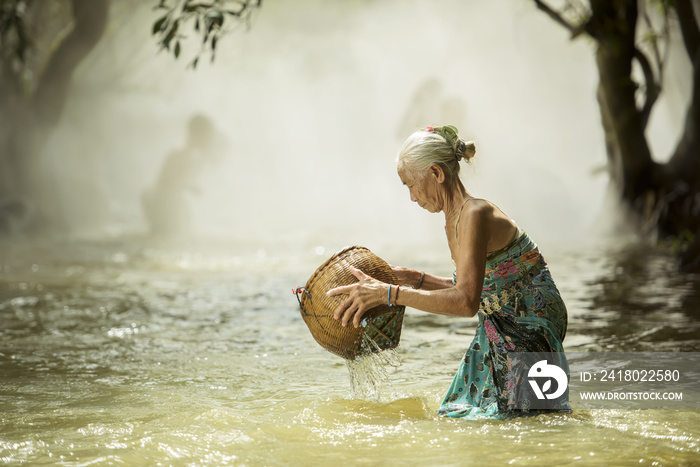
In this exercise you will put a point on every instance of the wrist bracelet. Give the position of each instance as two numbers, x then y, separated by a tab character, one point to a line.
420	282
388	296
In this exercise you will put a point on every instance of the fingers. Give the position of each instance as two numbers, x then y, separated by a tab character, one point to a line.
354	271
346	289
358	318
344	305
342	290
340	309
353	308
357	273
346	310
352	311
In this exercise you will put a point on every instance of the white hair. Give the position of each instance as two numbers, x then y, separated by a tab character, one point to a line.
424	148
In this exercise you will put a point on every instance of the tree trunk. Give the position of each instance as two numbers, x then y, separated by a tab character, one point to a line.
633	173
686	159
632	167
90	18
32	118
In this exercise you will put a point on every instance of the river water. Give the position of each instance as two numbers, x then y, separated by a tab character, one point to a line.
132	353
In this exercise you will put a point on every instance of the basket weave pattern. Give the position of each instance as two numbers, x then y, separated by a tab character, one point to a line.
381	326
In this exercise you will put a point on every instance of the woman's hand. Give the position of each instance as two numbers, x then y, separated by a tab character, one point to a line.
362	296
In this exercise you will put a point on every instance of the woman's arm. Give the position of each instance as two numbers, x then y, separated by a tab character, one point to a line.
412	278
461	299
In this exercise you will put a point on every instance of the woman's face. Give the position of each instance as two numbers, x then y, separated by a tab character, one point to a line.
423	187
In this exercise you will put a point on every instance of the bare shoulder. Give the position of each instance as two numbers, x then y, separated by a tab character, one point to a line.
485	217
478	211
479	206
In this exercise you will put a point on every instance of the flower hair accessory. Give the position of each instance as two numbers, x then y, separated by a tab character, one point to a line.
448	132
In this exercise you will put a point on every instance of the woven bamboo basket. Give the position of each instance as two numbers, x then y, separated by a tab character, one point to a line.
381	326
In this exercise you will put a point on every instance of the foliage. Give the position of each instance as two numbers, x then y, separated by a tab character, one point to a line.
209	19
13	34
15	40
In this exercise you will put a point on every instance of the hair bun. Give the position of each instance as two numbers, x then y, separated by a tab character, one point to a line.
469	150
464	150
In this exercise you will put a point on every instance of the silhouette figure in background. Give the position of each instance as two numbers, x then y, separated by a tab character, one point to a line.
167	204
430	104
14	214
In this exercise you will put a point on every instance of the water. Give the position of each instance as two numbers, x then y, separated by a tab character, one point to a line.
369	373
121	352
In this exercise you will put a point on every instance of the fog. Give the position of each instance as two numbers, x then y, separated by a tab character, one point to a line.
311	105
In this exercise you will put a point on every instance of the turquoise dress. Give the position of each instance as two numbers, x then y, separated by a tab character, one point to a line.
521	317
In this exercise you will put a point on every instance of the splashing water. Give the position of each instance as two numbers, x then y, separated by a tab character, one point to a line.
369	372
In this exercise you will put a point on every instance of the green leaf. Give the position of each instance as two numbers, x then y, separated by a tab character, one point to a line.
158	25
215	17
177	49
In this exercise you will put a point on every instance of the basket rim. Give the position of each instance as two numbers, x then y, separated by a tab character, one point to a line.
335	256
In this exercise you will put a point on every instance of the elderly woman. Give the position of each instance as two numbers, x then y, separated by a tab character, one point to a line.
500	276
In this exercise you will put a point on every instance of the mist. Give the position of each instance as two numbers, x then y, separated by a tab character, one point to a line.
311	105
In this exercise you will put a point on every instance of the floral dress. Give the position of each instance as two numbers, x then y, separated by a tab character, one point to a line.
521	314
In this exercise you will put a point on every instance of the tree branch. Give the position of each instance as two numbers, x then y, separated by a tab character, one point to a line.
90	18
654	41
558	18
652	88
689	26
211	21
